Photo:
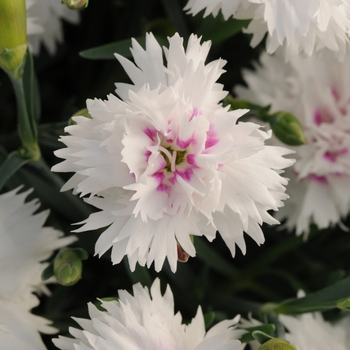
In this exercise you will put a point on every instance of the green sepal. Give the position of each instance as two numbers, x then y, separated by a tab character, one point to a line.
47	272
81	253
265	328
261	337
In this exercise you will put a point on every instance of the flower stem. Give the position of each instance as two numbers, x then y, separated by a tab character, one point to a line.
26	127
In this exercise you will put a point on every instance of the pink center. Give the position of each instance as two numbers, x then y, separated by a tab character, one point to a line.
179	156
319	179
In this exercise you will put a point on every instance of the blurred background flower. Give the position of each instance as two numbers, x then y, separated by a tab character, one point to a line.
300	27
317	91
44	25
25	244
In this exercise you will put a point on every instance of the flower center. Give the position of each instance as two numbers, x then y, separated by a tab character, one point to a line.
172	159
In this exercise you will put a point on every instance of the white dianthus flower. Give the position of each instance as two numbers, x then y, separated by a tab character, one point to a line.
146	321
317	91
311	332
44	23
25	243
167	161
301	26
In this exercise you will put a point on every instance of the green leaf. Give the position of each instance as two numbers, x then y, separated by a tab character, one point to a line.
328	298
10	166
217	29
209	319
106	52
81	253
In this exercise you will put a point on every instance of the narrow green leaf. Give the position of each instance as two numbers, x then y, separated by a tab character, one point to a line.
9	167
106	52
217	29
325	299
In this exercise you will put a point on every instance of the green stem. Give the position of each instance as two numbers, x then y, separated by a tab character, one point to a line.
26	128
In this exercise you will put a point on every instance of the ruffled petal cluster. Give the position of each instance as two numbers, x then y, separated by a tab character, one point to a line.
44	23
317	91
146	321
167	161
312	332
301	26
25	243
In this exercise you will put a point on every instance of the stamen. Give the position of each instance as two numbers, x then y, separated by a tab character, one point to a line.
171	157
173	161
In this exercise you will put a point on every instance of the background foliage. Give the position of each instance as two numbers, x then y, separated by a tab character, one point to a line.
270	273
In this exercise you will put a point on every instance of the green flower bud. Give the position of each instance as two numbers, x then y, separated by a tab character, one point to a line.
67	267
277	344
76	4
13	37
287	128
269	343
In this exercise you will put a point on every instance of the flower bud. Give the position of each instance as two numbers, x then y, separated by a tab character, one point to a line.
287	128
269	343
13	37
277	344
67	267
76	4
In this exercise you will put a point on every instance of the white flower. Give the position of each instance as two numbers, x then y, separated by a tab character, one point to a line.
146	321
301	26
19	329
317	91
44	23
312	332
25	243
168	161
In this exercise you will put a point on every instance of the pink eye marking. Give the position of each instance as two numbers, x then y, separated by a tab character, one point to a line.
150	133
319	179
195	113
332	156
